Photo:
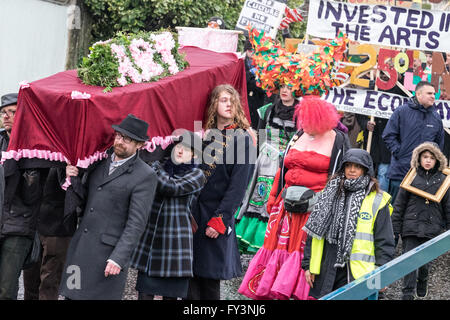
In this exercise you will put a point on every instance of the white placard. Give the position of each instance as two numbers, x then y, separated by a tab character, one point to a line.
263	15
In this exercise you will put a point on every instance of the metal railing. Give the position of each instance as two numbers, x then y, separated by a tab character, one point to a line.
369	285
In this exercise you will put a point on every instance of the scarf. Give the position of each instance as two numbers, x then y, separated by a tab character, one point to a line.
231	126
336	213
213	149
284	112
178	169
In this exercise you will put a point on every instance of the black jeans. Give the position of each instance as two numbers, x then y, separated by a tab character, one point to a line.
410	280
13	252
203	289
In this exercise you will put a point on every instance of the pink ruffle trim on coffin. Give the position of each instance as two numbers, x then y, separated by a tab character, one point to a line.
85	163
150	146
27	153
275	275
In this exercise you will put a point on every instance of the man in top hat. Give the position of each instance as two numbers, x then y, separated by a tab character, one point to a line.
119	196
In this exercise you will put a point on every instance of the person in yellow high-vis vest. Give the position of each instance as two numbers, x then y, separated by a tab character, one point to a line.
350	229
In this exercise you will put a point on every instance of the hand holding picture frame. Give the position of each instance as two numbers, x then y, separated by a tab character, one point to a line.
437	197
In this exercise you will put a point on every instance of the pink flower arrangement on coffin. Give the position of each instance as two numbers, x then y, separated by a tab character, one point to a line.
132	58
164	44
142	53
125	65
142	66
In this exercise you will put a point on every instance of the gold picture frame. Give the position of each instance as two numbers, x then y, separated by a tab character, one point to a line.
437	197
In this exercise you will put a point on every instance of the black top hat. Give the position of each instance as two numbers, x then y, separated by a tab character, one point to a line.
191	140
133	127
9	99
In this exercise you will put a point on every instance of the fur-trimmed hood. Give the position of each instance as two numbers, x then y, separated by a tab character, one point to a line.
434	149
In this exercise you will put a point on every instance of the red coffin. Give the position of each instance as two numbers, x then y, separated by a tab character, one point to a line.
50	125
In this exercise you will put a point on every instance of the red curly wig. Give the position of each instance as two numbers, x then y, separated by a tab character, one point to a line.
315	115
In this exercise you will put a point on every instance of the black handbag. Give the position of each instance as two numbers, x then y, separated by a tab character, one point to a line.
298	199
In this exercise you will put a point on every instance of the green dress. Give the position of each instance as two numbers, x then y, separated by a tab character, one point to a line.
252	216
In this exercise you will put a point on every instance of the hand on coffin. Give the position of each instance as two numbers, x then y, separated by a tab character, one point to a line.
71	171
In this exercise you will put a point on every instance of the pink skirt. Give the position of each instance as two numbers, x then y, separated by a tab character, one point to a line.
274	272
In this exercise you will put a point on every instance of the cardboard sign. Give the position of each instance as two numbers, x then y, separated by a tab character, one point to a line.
376	103
380	24
264	15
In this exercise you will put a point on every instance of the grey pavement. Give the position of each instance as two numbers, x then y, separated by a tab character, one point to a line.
439	283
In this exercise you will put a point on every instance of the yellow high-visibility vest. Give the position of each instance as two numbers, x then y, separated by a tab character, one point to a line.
362	257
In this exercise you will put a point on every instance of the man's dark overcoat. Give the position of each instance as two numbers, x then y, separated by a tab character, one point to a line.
115	215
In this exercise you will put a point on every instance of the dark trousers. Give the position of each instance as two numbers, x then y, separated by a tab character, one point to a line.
41	281
410	280
394	187
13	252
341	278
203	289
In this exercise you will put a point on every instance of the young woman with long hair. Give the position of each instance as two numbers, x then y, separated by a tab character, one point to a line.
225	97
228	165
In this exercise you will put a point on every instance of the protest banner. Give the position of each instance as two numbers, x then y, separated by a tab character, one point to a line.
264	15
379	24
399	3
388	62
376	103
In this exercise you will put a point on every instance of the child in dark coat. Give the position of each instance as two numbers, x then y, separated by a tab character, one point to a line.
164	255
417	219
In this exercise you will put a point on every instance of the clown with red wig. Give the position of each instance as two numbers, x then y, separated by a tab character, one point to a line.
289	76
312	156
